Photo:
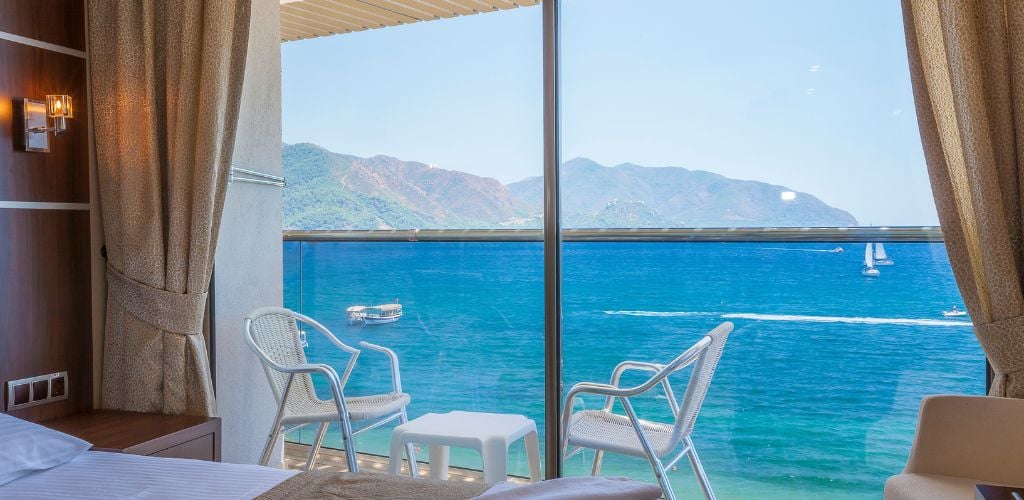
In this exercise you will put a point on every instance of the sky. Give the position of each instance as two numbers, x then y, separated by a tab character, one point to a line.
811	95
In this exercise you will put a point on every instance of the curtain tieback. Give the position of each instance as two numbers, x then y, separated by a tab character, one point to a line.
1003	342
180	313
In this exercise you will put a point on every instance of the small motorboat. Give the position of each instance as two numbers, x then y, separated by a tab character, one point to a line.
374	315
954	312
869	263
837	250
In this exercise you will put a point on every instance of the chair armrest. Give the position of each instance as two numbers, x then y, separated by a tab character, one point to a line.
607	390
970	436
599	389
334	340
633	365
308	368
396	375
637	366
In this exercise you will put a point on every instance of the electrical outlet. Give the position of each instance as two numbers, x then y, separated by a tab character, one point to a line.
57	386
37	390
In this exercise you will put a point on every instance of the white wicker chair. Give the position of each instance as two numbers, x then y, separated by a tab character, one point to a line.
602	430
273	334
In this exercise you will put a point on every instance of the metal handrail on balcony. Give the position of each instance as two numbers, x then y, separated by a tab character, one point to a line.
901	234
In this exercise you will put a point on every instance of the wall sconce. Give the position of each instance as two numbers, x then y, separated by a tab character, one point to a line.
35	126
59	108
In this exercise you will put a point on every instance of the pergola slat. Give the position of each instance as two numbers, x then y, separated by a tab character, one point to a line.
311	27
302	19
366	15
331	16
414	9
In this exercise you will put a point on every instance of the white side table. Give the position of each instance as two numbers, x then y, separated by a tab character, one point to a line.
490	434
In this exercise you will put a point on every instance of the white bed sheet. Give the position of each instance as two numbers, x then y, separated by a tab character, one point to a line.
97	474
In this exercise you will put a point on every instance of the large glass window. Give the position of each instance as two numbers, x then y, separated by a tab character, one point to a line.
751	115
419	129
752	162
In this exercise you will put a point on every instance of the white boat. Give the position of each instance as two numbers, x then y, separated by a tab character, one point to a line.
869	263
374	315
954	312
881	258
837	250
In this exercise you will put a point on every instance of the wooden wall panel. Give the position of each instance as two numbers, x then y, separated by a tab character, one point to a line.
60	22
61	175
45	253
45	303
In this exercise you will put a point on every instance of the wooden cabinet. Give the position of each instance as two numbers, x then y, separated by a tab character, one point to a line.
153	434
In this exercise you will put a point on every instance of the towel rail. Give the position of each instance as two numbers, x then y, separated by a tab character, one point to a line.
255	177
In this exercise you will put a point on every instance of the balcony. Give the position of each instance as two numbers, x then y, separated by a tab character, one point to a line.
817	392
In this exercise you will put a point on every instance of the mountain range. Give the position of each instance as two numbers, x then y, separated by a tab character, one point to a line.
328	190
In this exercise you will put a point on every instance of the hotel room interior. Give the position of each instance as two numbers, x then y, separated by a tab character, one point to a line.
145	343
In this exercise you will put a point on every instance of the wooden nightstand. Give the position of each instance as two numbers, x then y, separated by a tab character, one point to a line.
153	434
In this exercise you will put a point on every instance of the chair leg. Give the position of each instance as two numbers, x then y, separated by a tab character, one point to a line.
414	466
349	443
315	449
269	447
659	468
410	450
598	456
275	432
666	486
698	470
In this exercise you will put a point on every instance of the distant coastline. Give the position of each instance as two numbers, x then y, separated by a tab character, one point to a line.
328	190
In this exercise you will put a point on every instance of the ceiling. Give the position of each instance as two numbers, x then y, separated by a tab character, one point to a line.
301	19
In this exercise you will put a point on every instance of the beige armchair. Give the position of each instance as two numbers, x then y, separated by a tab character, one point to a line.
962	441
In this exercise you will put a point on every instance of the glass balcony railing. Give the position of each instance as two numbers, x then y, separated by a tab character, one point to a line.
817	392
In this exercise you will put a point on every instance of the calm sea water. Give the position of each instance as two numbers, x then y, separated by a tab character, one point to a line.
816	394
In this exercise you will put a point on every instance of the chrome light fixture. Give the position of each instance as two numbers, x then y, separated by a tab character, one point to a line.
35	114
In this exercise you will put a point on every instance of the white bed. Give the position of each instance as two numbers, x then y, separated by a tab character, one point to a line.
97	474
41	463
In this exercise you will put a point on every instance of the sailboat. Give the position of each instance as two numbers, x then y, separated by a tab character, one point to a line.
881	259
869	263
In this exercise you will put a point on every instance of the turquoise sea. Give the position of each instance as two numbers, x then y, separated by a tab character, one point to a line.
816	394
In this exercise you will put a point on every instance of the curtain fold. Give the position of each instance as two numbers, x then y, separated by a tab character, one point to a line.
166	79
967	68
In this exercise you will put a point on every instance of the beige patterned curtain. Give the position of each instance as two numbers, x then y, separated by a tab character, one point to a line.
967	66
166	78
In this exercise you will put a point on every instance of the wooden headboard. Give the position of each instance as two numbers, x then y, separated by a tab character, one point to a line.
45	303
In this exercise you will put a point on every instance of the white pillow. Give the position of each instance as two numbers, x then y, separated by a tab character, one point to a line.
27	447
